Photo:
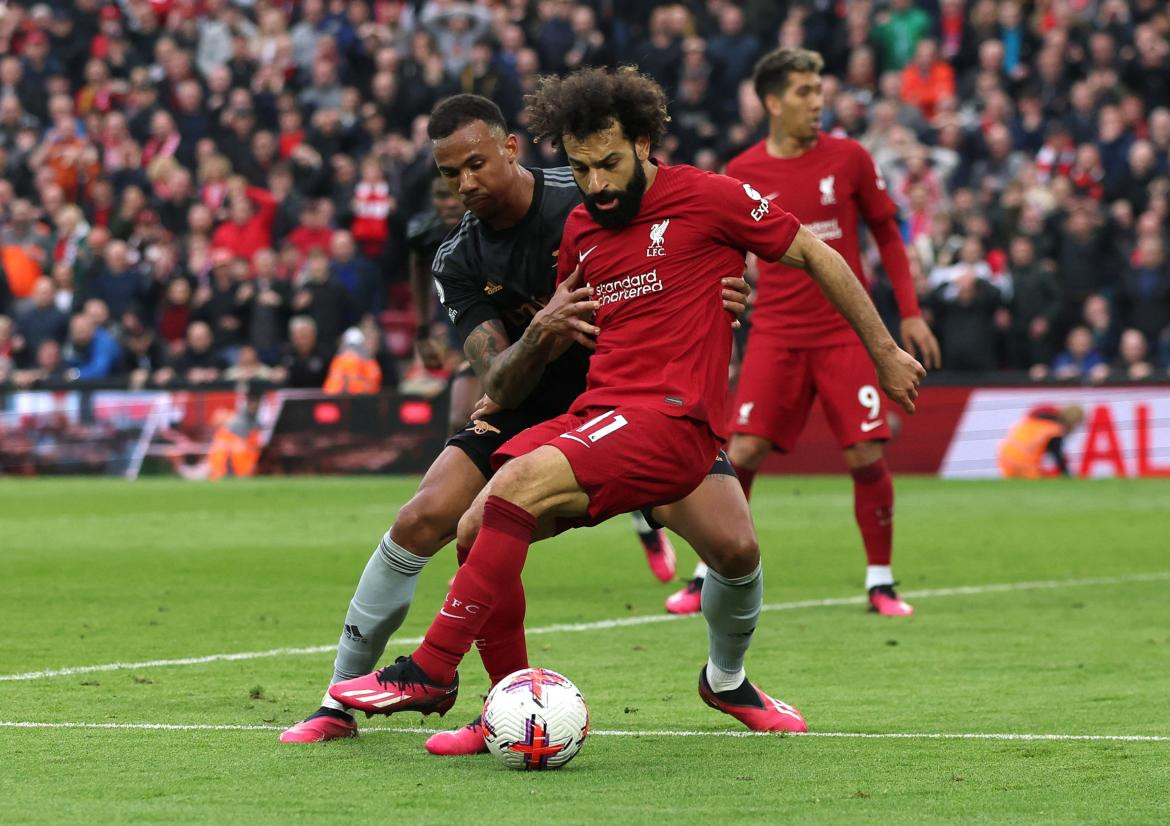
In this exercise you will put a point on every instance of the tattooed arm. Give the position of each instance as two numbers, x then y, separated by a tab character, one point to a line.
509	373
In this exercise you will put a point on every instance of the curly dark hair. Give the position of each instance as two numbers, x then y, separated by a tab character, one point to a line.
591	100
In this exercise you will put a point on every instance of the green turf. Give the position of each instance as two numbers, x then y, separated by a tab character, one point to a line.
99	572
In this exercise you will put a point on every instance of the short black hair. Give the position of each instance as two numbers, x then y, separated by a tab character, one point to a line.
591	100
770	76
457	111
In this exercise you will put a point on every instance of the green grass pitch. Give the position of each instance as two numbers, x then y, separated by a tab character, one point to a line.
101	572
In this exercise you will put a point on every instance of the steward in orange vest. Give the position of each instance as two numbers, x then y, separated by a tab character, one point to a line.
1041	431
352	371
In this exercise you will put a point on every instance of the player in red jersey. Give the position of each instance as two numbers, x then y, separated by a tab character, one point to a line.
654	241
800	347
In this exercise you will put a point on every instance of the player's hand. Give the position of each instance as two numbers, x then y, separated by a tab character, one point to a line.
485	407
569	313
736	292
899	374
920	341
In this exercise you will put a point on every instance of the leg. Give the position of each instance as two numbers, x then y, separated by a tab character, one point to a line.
847	383
733	590
873	507
656	544
387	584
747	453
465	392
732	599
536	484
424	525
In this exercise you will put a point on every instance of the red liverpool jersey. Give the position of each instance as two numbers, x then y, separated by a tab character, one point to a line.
665	338
827	188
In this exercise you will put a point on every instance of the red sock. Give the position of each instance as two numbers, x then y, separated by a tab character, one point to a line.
873	505
502	648
746	477
491	571
501	645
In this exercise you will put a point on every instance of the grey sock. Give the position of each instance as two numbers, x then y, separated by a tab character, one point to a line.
731	608
378	607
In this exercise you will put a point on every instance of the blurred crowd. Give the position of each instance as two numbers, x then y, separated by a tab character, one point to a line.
199	191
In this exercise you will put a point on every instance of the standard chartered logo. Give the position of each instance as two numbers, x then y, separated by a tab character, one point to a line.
632	286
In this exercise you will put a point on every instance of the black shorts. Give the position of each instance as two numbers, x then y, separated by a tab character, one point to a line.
479	440
722	467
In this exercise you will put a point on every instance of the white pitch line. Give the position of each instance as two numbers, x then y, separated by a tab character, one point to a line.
602	625
860	735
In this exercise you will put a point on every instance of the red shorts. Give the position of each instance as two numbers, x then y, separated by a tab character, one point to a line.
777	386
625	458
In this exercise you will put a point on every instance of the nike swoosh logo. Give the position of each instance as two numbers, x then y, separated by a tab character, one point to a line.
868	426
443	611
581	256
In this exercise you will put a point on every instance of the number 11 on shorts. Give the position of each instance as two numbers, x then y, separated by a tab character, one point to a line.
599	426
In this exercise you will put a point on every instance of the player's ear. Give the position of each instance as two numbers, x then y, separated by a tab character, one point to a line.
511	148
642	148
772	104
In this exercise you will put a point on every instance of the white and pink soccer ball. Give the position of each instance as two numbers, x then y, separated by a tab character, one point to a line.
535	719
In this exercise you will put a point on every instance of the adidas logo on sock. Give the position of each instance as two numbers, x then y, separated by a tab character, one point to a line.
352	632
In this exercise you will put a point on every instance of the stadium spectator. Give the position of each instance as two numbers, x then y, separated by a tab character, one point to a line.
305	363
353	371
47	370
1132	362
1145	287
251	211
42	321
1079	357
928	81
965	312
198	363
90	353
898	31
1034	307
249	368
143	354
324	299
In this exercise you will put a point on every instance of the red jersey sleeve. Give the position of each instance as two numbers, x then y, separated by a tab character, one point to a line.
872	198
747	221
880	214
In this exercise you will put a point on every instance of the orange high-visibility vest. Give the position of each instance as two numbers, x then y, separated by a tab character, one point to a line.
233	455
1022	450
351	374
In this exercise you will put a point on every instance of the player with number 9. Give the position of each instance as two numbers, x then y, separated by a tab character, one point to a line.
800	347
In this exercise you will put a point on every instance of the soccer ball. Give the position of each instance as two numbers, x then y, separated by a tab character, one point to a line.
535	719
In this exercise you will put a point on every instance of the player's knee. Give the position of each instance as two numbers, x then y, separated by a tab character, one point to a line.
421	526
469	527
737	555
748	451
863	454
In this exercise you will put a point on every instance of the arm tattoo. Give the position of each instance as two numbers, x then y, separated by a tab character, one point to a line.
517	370
483	344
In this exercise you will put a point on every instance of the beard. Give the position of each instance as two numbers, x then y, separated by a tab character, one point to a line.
629	201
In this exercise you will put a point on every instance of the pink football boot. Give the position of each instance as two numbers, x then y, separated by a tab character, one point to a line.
752	707
323	724
884	600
